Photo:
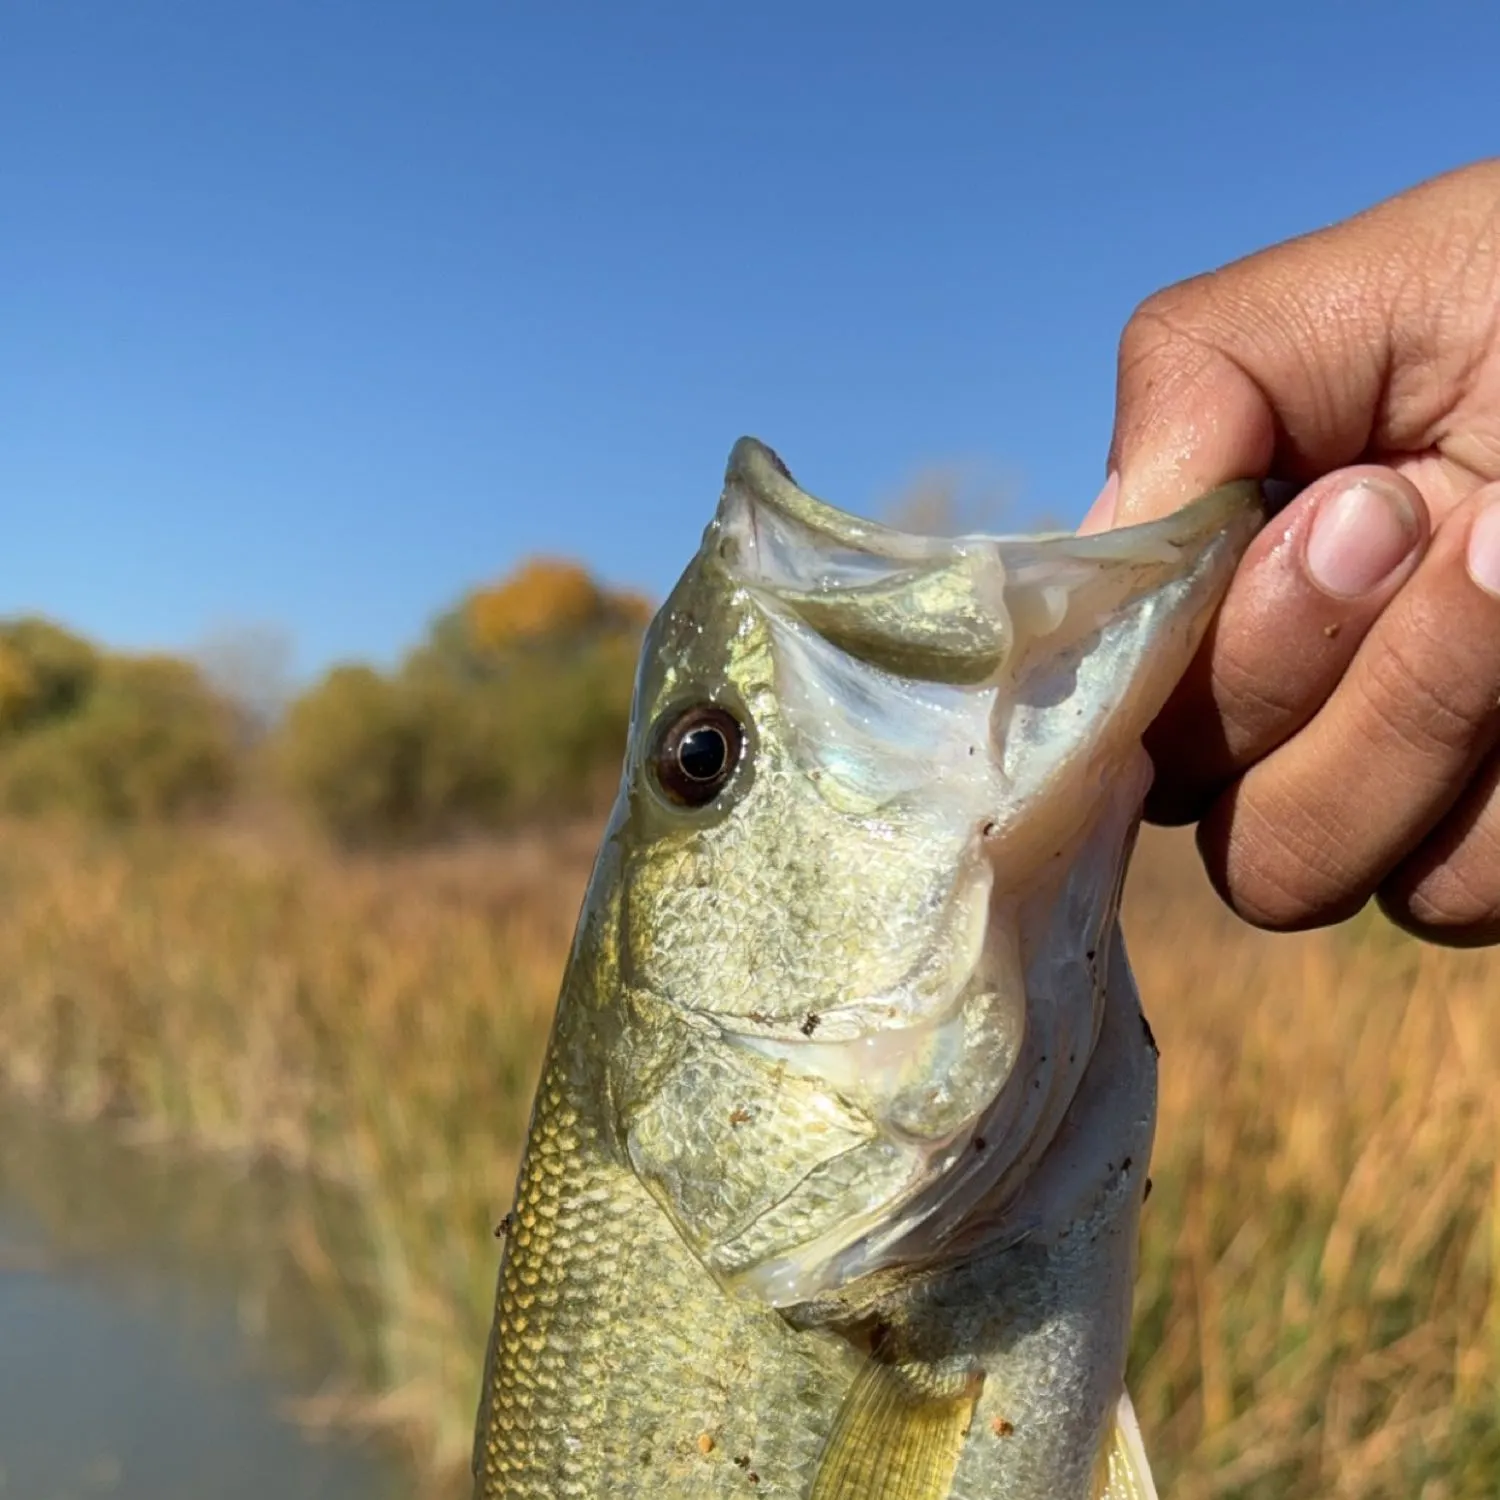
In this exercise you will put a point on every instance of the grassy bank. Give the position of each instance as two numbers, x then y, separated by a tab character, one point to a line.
377	1022
1318	1309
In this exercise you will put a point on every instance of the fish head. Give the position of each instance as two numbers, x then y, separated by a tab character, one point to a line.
878	799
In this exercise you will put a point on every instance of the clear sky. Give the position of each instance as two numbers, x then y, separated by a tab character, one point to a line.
315	312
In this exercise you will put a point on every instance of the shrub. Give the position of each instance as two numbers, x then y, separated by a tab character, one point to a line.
46	672
350	750
513	708
144	737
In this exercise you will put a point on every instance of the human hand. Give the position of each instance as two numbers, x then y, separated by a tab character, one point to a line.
1338	733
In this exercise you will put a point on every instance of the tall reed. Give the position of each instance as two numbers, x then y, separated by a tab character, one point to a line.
1317	1314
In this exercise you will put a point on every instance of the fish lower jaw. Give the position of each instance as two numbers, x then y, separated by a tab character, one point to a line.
1043	1176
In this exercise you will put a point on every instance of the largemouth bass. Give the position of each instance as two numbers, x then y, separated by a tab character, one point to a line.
836	1163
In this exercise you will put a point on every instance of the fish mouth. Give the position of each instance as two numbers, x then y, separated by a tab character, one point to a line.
1033	651
981	700
930	608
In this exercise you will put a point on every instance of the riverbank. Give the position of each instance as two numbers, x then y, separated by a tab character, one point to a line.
1317	1312
375	1023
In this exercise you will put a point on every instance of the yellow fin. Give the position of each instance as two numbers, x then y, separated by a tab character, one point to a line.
898	1435
1123	1472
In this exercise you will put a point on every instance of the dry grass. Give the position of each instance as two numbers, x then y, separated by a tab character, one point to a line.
1318	1313
379	1023
1318	1310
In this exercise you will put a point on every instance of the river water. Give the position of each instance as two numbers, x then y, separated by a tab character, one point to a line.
158	1329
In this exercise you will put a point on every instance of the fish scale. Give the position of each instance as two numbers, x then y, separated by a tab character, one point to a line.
834	1174
557	1420
812	954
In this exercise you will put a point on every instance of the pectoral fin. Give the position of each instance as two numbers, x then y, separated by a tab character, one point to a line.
898	1435
1123	1472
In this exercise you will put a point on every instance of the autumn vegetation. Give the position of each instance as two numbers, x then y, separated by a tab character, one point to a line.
513	708
112	738
355	990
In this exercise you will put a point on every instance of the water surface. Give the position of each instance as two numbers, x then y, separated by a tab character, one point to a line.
159	1315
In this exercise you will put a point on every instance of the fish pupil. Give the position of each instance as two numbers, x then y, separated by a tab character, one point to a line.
696	754
703	753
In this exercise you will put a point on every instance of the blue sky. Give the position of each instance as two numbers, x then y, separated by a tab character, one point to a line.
316	312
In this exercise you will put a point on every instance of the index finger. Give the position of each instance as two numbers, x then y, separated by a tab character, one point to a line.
1350	344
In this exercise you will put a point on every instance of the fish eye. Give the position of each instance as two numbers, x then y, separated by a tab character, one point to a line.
696	753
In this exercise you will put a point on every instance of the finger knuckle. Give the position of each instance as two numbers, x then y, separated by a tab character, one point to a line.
1281	865
1417	696
1444	902
1439	916
1449	896
1166	318
1256	697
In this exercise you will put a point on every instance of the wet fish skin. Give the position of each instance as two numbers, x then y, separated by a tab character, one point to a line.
835	1168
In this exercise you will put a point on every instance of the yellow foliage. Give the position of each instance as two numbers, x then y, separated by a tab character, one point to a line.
544	596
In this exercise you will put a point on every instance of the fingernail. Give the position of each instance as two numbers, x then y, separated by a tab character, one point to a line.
1484	549
1101	514
1359	537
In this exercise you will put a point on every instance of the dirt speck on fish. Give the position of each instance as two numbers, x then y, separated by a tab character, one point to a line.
891	782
